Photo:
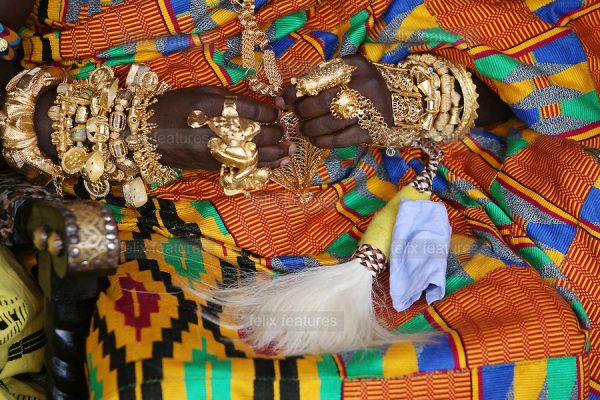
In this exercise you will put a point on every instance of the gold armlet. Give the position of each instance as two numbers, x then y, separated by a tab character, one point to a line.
19	139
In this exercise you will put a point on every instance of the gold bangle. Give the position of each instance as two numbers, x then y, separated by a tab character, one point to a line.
19	138
233	148
424	96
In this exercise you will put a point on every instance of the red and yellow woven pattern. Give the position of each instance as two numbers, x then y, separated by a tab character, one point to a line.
522	197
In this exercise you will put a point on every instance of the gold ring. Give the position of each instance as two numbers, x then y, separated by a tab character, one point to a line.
345	104
230	107
232	146
326	75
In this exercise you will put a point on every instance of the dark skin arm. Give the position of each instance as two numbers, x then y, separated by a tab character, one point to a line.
182	146
325	131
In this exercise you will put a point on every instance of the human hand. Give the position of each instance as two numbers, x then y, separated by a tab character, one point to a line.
184	147
325	131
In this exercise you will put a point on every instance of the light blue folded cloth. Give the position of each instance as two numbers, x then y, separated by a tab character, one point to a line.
419	253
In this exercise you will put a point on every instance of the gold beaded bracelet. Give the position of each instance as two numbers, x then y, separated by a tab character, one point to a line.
89	120
425	97
425	103
97	112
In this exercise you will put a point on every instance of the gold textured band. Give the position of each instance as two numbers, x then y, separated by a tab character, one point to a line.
19	138
425	96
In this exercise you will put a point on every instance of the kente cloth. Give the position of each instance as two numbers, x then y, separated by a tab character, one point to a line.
22	337
523	200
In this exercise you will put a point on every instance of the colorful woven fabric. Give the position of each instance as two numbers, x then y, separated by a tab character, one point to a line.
519	195
147	340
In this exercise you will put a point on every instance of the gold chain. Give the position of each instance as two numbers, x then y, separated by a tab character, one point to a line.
252	36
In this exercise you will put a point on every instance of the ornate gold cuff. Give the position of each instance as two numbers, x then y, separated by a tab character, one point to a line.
233	148
19	139
424	96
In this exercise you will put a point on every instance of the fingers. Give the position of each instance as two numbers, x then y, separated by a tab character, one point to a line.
314	106
346	137
255	110
289	95
274	155
210	101
269	135
325	125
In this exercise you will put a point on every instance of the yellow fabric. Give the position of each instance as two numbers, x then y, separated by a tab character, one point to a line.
379	232
21	317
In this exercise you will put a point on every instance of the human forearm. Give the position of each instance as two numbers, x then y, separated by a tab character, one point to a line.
43	124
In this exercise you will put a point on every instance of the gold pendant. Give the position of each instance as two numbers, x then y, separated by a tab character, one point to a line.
298	175
97	189
74	160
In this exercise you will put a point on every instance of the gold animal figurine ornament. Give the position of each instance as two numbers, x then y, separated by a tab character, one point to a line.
233	148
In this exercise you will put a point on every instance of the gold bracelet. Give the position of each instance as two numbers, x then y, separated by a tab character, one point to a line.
90	116
233	148
424	96
144	87
19	138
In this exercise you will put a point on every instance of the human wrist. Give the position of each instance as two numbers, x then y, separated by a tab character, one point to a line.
43	124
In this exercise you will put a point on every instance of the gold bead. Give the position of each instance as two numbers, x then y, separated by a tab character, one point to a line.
134	192
78	133
92	125
81	115
94	167
117	121
118	148
54	113
74	160
62	88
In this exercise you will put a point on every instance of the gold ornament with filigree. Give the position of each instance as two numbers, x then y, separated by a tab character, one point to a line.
234	149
